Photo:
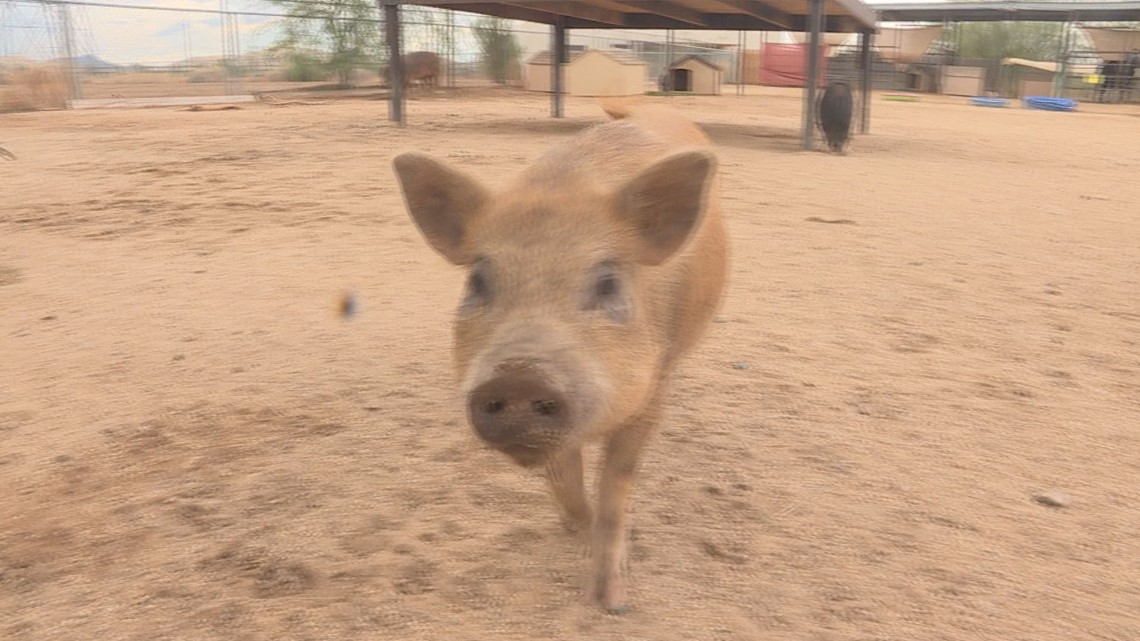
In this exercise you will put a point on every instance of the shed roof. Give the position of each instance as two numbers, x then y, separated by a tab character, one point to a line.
841	16
1041	65
697	58
1051	67
620	57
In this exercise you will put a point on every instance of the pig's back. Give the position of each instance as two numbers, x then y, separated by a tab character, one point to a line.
610	154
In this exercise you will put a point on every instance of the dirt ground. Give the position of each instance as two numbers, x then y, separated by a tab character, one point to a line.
924	343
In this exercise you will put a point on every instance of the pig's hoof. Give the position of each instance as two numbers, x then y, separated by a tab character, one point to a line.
611	596
582	545
574	525
618	610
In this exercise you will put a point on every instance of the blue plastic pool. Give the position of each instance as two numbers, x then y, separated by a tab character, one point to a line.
1050	104
985	101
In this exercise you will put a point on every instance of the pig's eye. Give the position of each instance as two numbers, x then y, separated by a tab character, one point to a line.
477	285
478	290
606	287
606	294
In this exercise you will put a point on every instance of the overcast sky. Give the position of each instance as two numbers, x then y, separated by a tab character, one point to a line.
122	35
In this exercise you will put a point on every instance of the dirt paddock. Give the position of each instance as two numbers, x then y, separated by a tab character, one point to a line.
916	419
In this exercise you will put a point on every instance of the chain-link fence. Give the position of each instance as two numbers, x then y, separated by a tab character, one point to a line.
103	51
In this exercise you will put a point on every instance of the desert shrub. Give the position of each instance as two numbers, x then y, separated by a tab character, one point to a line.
302	67
500	49
31	88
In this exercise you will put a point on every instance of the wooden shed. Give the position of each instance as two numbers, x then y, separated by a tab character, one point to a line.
695	74
594	72
1022	77
958	80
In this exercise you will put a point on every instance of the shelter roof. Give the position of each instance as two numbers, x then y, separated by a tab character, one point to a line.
842	16
1128	10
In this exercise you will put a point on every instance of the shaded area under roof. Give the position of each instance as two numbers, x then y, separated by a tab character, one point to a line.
842	16
998	11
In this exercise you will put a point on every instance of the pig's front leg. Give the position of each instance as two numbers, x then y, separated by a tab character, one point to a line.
564	471
623	450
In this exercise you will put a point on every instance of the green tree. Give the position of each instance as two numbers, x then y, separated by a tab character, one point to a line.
431	27
997	40
349	30
499	47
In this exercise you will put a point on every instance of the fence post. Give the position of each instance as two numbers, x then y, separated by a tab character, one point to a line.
1060	77
741	47
69	50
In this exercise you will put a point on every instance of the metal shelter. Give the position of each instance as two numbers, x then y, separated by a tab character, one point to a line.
1010	10
812	16
1015	10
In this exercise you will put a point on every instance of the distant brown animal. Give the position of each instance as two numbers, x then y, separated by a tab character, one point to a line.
423	66
589	277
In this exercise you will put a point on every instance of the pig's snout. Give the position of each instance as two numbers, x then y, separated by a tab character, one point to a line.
518	413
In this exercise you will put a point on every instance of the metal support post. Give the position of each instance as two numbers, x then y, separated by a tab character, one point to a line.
815	25
866	84
392	32
557	58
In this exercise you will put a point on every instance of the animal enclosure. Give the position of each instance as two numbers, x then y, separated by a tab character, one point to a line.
914	418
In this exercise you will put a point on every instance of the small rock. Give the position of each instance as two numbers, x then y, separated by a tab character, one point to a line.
741	365
179	357
348	305
1052	499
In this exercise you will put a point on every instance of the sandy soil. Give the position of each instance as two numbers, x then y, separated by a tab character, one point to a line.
157	85
195	445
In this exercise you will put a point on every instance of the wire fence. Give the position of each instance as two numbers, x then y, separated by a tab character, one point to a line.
53	51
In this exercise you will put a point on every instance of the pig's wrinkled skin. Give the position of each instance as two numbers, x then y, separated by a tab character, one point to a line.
589	277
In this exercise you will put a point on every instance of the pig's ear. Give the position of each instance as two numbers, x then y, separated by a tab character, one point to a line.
663	204
442	201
